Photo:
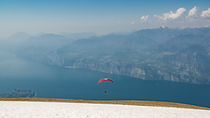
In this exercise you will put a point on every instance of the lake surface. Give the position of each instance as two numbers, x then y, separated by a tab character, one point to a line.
54	82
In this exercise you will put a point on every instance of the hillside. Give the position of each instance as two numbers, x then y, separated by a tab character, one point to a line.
180	55
122	102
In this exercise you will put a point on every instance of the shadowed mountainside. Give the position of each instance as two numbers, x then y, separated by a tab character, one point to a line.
180	55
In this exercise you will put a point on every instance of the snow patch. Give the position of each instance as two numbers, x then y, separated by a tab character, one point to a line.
17	109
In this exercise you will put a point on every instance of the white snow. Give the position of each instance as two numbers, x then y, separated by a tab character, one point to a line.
17	109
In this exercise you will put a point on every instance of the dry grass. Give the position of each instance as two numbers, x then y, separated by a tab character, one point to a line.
123	102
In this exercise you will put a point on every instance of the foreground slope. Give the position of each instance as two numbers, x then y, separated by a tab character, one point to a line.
121	102
23	109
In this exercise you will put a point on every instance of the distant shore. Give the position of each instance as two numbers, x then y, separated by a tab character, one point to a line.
123	102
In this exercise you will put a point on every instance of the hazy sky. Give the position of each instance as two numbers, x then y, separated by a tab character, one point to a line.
100	16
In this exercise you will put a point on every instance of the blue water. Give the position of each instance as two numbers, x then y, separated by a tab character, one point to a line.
54	82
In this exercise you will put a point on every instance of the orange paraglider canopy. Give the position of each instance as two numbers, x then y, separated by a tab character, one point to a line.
105	79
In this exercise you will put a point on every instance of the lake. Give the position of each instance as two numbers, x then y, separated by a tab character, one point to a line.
55	82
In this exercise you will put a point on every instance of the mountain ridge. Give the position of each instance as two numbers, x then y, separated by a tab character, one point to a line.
180	55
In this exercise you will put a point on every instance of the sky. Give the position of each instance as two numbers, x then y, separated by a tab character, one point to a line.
100	16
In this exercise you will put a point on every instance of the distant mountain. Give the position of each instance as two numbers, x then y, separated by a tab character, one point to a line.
80	35
180	55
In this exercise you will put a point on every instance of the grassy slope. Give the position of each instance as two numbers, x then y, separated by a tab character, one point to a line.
124	102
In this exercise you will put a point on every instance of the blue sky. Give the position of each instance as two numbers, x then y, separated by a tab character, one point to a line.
99	16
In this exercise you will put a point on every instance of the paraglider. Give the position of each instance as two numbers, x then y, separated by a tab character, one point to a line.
105	79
